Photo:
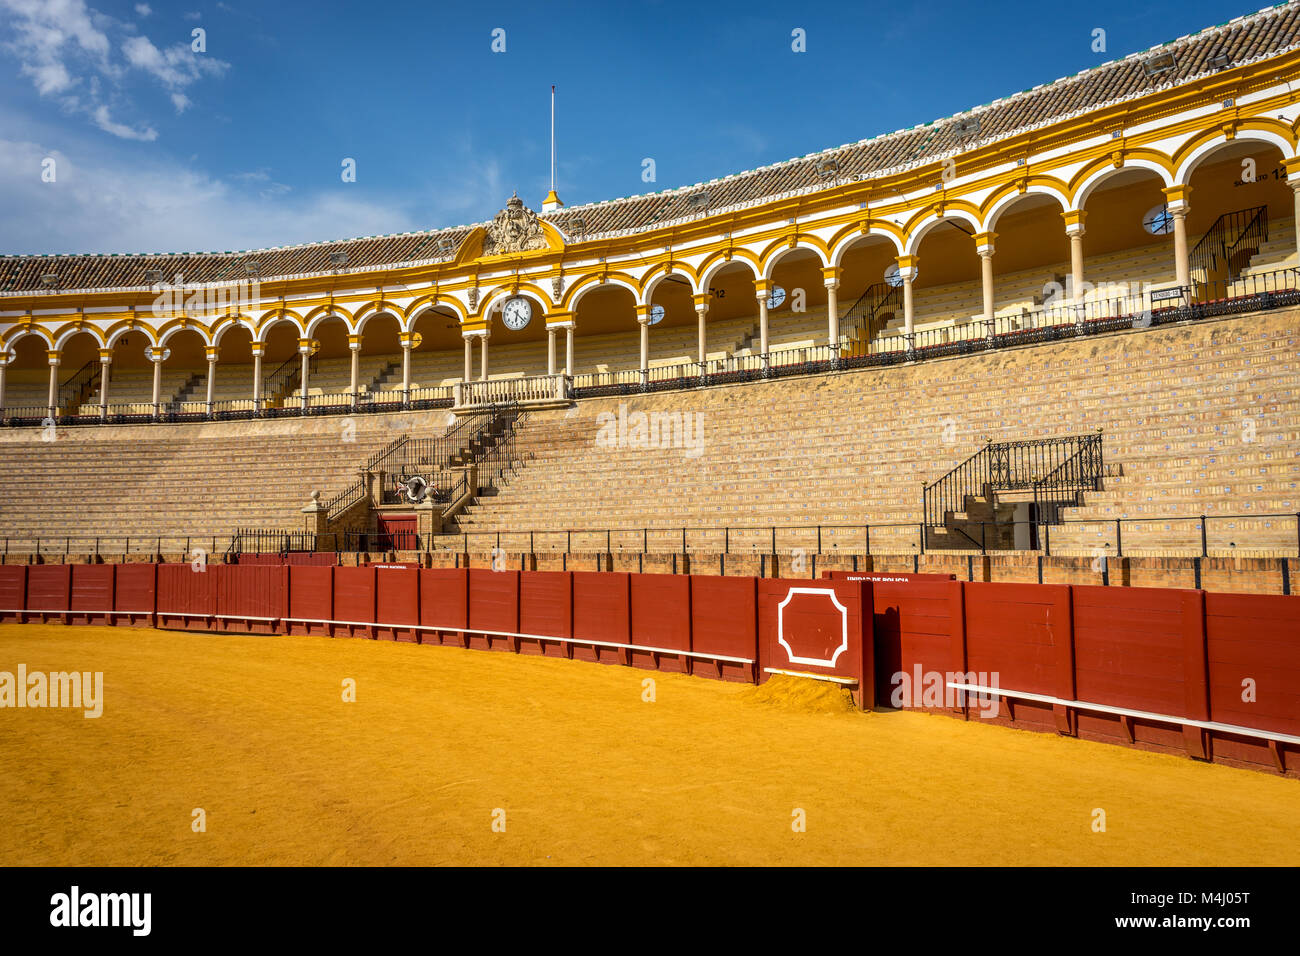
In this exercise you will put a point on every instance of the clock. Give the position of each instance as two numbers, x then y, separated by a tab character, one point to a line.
775	297
656	315
517	313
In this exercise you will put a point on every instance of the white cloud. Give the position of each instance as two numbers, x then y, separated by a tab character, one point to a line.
64	47
102	203
105	122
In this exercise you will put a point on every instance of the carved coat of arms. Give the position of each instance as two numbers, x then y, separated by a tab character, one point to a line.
514	229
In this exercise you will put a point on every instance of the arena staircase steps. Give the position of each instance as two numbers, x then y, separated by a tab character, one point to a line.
1229	244
975	503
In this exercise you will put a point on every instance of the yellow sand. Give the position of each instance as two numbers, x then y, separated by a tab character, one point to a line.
254	731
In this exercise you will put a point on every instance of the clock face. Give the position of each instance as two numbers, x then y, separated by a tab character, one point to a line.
656	315
517	313
775	297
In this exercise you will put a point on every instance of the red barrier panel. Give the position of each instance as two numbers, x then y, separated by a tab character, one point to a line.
661	618
601	612
887	577
135	594
251	599
546	610
397	603
1253	650
724	621
49	588
917	627
1131	650
493	606
91	600
13	592
187	599
354	602
311	558
311	600
444	603
822	628
1023	633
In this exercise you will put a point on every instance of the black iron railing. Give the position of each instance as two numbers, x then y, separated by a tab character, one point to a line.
1231	234
79	387
1055	470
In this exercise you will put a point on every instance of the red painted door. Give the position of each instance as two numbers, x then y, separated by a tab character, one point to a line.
397	533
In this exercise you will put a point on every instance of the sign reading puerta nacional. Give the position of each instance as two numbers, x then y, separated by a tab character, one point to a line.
514	229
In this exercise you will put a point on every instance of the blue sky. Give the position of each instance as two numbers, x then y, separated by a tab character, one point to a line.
157	147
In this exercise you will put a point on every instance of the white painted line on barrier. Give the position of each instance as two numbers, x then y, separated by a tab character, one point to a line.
848	681
1126	712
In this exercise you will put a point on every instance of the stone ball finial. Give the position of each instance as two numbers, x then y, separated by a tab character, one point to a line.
315	497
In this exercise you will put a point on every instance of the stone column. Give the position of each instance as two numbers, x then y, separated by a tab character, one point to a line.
701	310
105	367
406	366
643	320
1295	188
550	350
568	349
213	353
762	289
156	356
1074	228
831	279
354	346
258	350
304	349
469	357
4	367
483	356
984	248
907	271
1178	208
55	358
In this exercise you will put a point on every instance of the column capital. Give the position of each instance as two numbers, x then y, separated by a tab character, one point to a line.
1074	221
259	349
54	355
105	356
354	343
701	300
212	352
984	243
559	318
762	288
304	346
831	277
480	333
907	267
155	354
643	313
407	340
1292	166
1177	197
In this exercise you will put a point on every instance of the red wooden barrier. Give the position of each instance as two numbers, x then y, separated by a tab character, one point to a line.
887	577
661	618
1253	650
1022	633
546	610
354	602
1140	649
818	627
49	589
135	595
919	631
602	613
493	606
444	603
251	599
724	621
397	603
187	598
91	600
311	600
13	592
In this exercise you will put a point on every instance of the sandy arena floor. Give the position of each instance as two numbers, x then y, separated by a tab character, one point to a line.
254	731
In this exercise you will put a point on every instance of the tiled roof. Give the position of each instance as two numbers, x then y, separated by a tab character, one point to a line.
1268	33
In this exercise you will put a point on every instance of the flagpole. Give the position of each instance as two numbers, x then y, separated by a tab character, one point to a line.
552	137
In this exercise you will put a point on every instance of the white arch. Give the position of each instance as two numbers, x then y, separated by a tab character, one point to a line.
647	298
1097	178
30	330
1009	200
175	329
361	322
846	243
1194	158
932	220
621	283
239	323
260	337
150	338
69	333
770	269
703	285
325	316
507	292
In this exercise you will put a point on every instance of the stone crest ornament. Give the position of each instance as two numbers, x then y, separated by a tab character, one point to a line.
473	298
557	287
514	229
